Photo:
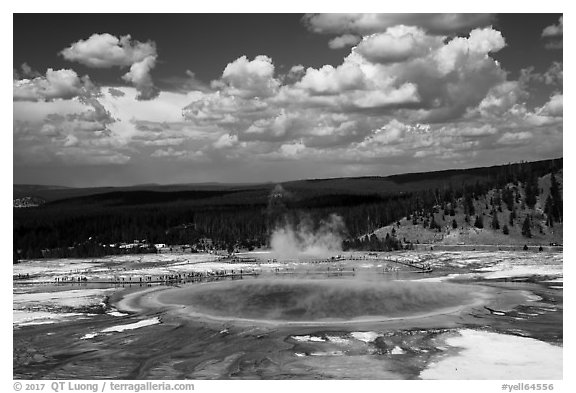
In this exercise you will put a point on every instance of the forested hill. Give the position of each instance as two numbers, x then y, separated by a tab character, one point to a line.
393	184
78	222
518	213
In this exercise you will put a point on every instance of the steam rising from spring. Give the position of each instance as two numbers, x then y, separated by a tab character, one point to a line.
292	241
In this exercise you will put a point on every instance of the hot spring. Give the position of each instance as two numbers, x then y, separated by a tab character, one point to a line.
320	301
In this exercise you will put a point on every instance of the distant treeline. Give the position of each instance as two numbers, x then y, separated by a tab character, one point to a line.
373	243
242	218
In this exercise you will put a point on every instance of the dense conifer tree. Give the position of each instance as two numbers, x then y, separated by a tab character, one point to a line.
526	228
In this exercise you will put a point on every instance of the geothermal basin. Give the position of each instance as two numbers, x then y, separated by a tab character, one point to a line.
318	301
478	315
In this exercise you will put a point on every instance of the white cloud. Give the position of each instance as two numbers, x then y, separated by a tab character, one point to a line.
109	129
353	85
71	140
26	72
554	30
436	85
344	41
403	95
472	50
391	133
50	130
373	23
473	130
106	50
554	75
220	108
518	138
249	78
57	84
179	155
98	129
292	150
139	75
456	76
166	108
162	141
553	35
169	152
332	80
226	141
554	107
275	127
501	98
398	44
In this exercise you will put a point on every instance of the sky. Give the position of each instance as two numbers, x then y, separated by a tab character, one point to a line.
111	100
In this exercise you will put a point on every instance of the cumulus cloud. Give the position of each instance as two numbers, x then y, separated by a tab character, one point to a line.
349	86
518	138
67	131
391	133
332	80
96	118
453	141
26	71
225	141
139	75
169	152
411	89
164	142
179	155
397	44
554	75
249	78
65	140
530	80
472	50
70	141
442	79
456	76
56	84
344	41
405	94
337	112
220	108
429	78
364	24
474	131
553	35
486	40
90	123
106	51
275	127
401	95
292	150
554	107
554	30
501	98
